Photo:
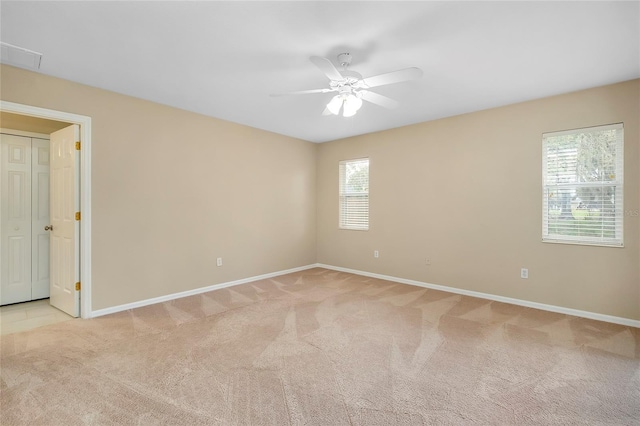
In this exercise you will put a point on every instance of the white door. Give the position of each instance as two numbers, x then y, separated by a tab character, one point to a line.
15	251
65	202
39	218
24	252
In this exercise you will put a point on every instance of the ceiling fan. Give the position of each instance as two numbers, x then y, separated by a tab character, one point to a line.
351	88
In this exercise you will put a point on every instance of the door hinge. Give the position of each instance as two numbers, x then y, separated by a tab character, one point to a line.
78	286
78	144
77	215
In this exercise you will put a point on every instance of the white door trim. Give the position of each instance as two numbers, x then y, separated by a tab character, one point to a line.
85	188
23	133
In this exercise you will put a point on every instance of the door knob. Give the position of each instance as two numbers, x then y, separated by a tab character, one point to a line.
48	228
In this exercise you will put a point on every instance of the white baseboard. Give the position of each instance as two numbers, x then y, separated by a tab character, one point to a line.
551	308
160	299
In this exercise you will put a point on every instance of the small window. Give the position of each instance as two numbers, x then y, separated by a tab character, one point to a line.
582	172
354	194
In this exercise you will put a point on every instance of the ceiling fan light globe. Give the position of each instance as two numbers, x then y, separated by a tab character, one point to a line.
334	105
351	105
356	100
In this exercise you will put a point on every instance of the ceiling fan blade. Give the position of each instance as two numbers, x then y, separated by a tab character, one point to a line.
327	68
302	92
326	112
378	99
399	76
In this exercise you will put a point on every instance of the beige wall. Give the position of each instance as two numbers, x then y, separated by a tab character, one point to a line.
466	192
30	124
173	190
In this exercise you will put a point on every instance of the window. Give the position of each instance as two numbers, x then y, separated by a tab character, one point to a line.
582	172
354	194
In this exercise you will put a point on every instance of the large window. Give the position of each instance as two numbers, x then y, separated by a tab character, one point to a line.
582	172
354	194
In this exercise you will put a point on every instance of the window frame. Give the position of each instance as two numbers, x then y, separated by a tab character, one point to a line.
618	183
342	223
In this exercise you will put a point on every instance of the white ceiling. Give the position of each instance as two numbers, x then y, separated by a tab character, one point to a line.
223	59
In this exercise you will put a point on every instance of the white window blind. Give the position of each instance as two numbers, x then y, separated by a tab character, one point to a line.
354	194
582	172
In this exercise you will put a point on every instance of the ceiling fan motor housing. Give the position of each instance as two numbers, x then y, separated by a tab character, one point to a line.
344	59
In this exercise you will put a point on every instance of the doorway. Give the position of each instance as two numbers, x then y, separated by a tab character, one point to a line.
11	111
24	215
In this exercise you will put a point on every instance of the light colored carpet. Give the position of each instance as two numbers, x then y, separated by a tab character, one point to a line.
327	348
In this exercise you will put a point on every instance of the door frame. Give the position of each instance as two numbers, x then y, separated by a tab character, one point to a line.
85	188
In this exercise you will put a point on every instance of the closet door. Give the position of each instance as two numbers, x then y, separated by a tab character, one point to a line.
15	250
39	218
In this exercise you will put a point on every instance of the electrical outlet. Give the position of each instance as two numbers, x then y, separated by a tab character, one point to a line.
524	273
376	254
428	262
219	261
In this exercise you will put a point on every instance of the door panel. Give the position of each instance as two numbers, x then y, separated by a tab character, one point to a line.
18	195
15	250
65	203
40	218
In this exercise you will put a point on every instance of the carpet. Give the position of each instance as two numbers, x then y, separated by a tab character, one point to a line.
321	347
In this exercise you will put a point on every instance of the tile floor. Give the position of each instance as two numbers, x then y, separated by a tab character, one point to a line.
29	315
